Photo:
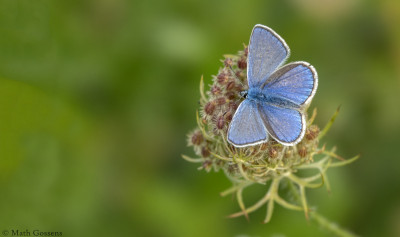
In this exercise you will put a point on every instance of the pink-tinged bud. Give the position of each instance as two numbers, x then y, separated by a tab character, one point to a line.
239	88
209	108
220	101
222	78
302	151
207	165
197	138
216	90
233	106
312	132
205	152
228	116
240	74
272	152
220	123
230	95
264	146
230	86
228	62
242	64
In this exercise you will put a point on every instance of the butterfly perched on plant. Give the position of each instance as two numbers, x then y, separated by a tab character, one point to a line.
277	97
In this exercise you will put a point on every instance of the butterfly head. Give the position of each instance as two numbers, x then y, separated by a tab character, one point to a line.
243	94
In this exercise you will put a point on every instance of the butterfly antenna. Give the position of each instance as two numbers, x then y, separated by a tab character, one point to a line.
233	71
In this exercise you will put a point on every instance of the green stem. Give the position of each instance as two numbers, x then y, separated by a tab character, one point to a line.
330	226
320	220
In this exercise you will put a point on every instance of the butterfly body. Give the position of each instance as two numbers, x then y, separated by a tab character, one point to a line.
277	97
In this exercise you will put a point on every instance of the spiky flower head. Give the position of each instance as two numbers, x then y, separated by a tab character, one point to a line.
271	164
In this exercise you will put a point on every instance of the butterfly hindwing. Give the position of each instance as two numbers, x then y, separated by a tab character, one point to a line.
267	51
247	127
286	125
295	82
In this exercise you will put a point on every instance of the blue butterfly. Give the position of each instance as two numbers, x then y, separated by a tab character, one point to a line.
277	97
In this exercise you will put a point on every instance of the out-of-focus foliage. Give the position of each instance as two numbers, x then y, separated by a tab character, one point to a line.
96	98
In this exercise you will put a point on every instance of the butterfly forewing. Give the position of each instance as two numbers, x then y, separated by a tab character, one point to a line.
267	51
247	127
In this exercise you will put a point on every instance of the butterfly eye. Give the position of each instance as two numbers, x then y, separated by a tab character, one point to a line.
243	94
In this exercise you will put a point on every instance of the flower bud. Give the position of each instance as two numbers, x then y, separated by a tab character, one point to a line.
216	90
233	106
272	152
228	116
207	165
205	152
242	64
240	74
230	95
222	78
230	86
209	108
221	101
264	146
302	151
220	123
312	132
228	62
239	88
197	138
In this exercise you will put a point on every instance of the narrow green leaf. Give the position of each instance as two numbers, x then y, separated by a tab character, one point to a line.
314	114
345	162
329	124
203	97
241	203
270	210
304	201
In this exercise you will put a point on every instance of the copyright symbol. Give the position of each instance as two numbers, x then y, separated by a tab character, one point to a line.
5	232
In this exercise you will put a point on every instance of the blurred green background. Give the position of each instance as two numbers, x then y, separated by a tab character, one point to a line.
96	98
